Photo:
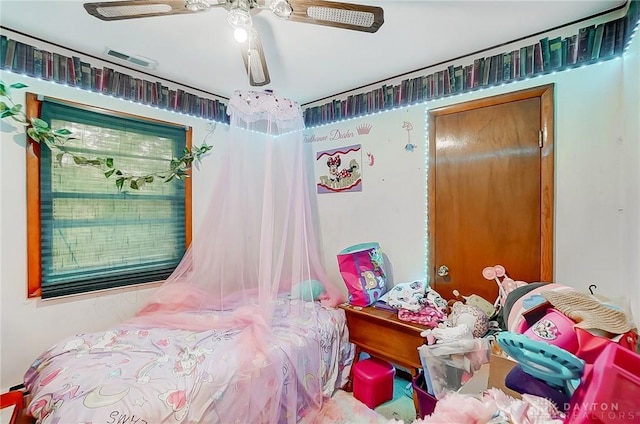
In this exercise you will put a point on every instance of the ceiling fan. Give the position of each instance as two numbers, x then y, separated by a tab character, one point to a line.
328	13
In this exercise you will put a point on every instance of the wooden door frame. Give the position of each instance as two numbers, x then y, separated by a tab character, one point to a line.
546	94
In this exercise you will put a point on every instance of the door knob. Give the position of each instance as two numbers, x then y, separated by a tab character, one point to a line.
443	271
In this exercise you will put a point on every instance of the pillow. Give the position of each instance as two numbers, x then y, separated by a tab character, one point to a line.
308	290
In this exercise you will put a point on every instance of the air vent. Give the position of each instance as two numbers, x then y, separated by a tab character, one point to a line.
140	61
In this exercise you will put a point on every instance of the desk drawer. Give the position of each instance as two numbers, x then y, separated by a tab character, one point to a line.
386	339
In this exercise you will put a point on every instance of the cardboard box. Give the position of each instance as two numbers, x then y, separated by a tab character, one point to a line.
499	367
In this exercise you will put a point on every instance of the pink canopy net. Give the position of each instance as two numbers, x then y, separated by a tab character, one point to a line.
256	249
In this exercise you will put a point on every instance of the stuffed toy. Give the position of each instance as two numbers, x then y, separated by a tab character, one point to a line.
464	322
307	290
470	315
443	334
475	300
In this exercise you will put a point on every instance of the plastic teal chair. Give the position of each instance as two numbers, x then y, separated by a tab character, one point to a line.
551	364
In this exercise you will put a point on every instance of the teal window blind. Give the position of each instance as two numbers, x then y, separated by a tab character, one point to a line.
93	236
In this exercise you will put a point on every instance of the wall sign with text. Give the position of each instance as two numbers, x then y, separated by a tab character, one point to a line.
339	170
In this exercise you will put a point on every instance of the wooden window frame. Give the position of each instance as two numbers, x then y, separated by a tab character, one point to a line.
33	154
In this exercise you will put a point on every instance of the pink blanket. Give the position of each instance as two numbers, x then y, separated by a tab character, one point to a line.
136	376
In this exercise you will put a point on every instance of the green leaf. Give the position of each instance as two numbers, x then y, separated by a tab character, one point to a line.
31	132
39	123
205	147
19	118
40	131
62	131
18	85
79	160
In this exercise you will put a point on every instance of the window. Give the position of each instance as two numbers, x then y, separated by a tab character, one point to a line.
83	233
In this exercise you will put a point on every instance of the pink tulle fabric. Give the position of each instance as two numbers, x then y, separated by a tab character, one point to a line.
493	406
258	240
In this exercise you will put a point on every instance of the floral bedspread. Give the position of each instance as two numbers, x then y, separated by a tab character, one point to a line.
129	375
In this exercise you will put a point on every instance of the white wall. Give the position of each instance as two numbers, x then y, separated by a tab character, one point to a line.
596	177
630	176
390	209
29	326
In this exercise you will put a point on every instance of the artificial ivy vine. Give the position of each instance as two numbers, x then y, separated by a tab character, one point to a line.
40	132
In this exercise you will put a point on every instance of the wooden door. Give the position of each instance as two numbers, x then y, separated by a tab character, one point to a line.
491	191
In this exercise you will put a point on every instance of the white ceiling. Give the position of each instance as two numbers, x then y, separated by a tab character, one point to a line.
306	62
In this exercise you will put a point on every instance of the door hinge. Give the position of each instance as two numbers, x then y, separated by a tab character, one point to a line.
540	138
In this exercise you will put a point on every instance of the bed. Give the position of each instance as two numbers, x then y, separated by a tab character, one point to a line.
137	375
245	330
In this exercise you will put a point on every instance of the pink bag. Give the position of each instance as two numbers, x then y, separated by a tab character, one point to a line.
362	269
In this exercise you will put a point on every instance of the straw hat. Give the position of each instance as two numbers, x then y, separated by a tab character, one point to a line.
588	312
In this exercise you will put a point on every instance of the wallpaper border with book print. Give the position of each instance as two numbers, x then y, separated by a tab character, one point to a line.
23	58
592	44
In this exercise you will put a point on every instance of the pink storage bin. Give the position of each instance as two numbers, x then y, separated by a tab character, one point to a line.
610	391
373	381
555	328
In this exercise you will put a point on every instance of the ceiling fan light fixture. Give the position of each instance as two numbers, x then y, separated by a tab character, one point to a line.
319	12
281	8
238	16
197	5
240	35
343	16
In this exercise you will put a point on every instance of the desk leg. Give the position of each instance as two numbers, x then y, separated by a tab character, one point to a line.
414	374
349	386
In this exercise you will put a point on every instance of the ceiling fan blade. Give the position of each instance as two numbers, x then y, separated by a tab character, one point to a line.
356	17
254	60
131	9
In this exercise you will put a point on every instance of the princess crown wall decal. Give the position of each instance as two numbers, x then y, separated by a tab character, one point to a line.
363	129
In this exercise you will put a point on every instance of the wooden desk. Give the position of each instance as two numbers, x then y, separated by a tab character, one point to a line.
381	334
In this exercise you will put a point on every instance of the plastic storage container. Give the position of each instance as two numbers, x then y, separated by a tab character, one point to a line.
426	402
610	392
448	366
373	381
